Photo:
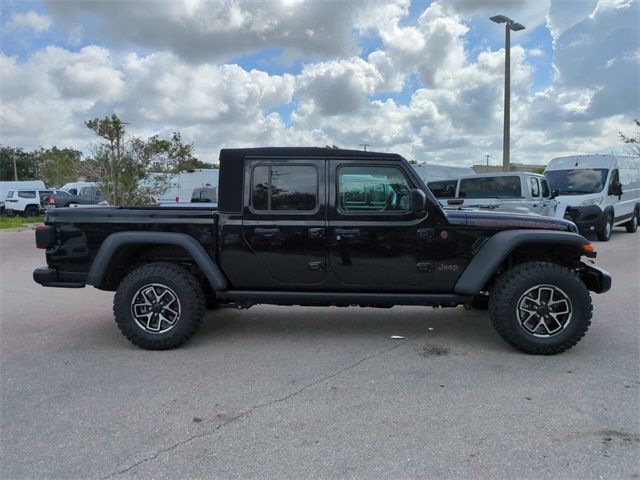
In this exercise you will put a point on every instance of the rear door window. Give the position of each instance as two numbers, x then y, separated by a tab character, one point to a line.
284	187
27	194
491	187
534	187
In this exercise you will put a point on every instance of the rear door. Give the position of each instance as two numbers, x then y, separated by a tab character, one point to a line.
284	222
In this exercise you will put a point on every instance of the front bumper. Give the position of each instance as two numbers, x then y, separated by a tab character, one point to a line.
596	279
587	219
52	277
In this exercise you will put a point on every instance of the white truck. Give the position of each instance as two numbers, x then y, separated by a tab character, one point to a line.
597	192
520	191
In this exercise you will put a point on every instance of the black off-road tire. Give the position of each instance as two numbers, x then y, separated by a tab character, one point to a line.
632	225
511	286
179	281
604	233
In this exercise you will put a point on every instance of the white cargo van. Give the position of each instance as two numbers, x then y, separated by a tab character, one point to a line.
597	192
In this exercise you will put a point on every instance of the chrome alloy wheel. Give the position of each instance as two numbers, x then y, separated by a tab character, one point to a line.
155	308
544	311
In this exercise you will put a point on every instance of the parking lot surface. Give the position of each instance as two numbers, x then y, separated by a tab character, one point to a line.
284	392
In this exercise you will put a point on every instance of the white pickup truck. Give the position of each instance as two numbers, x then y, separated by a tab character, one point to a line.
522	191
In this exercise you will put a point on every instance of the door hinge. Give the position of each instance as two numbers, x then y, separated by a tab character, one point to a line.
426	234
425	266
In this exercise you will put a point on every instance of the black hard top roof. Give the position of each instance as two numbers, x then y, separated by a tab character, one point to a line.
241	153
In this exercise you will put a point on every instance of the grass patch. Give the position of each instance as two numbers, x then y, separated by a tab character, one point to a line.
17	222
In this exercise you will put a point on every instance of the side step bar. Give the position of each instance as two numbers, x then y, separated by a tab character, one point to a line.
342	298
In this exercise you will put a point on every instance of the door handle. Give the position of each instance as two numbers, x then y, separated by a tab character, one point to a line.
266	232
347	232
316	266
316	233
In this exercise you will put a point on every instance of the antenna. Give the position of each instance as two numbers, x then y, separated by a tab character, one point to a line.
364	145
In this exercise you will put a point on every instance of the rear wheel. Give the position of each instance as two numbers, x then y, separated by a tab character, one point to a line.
632	225
604	234
540	308
159	306
31	211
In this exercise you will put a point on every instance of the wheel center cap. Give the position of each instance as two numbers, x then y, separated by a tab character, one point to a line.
543	310
156	307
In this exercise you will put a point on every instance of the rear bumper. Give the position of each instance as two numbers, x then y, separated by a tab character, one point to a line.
587	219
52	277
596	279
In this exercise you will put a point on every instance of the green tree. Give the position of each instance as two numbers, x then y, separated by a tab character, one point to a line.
130	169
25	162
633	141
57	166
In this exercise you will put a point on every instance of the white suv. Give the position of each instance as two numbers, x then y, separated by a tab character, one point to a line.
29	203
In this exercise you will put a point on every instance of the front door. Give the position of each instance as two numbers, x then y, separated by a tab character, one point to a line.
375	241
284	222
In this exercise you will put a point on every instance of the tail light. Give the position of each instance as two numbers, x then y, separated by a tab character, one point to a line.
45	236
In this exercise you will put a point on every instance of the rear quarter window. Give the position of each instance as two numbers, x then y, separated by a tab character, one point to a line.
491	187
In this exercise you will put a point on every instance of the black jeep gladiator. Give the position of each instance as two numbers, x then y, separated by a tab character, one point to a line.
314	226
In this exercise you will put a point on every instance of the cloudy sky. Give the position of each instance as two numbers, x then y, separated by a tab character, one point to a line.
424	79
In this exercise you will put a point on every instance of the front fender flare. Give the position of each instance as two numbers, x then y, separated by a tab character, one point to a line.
197	252
499	246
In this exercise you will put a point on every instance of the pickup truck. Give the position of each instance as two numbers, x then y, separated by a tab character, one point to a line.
314	226
523	191
88	195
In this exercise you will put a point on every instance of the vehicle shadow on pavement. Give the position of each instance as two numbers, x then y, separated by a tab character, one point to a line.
450	325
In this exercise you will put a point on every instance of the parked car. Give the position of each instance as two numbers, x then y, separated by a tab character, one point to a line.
77	195
512	190
597	192
292	229
6	187
30	203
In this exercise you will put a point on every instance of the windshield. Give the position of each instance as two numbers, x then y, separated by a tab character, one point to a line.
579	181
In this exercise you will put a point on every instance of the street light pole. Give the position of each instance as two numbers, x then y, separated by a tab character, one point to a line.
506	134
15	168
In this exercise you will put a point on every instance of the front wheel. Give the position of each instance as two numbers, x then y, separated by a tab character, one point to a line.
632	225
540	308
159	306
604	234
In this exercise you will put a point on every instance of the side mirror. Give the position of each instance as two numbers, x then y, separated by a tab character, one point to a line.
418	200
615	189
554	193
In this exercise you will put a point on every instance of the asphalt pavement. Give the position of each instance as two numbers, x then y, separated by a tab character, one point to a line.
289	392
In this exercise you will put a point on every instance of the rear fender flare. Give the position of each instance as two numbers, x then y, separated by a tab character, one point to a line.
497	249
113	242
